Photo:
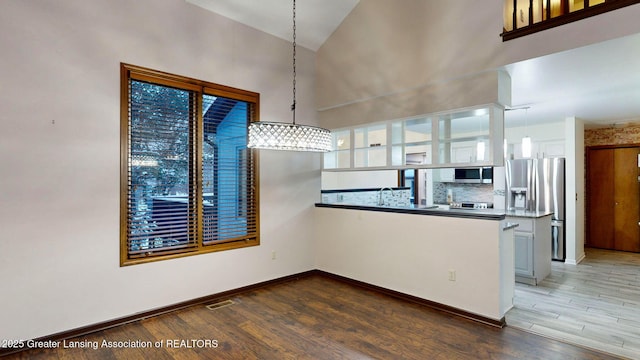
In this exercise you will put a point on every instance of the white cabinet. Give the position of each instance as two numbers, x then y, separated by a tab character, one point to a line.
471	137
444	175
340	157
464	137
539	149
523	253
412	142
532	240
550	148
464	152
370	146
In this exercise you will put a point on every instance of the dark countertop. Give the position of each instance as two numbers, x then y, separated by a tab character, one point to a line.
527	214
484	214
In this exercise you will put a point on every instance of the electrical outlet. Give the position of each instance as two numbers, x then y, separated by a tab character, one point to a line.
452	275
273	255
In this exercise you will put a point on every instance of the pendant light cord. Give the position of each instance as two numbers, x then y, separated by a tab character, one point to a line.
287	136
293	106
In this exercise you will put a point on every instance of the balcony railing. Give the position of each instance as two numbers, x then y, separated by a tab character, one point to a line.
524	17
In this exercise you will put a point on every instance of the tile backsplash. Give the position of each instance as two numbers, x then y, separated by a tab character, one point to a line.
462	192
368	197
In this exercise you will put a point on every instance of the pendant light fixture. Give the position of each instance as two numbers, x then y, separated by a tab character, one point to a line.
526	147
289	136
526	140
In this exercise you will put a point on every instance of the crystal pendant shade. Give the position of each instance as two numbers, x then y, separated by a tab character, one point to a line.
284	136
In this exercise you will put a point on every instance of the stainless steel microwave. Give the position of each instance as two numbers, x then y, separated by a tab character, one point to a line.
474	175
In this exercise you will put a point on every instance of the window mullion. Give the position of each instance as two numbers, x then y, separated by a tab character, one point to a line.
198	167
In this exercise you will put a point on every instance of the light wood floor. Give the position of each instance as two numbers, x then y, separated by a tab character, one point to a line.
595	303
317	317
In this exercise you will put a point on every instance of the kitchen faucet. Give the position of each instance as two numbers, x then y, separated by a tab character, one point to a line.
380	202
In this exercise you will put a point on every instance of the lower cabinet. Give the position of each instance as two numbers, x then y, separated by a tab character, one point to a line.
532	246
524	253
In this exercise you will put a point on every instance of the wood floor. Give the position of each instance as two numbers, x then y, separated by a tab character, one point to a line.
317	317
594	304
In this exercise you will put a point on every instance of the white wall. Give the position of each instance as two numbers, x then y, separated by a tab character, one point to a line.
575	191
60	148
338	180
413	254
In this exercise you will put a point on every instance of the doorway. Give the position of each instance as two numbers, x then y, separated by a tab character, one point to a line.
613	198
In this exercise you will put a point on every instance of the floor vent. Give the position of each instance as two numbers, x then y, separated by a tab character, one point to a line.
220	304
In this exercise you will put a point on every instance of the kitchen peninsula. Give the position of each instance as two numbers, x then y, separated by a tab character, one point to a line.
456	259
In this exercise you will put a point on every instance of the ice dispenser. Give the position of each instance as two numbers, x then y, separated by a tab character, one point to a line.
518	199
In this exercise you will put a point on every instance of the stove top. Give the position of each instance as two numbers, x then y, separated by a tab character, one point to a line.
471	205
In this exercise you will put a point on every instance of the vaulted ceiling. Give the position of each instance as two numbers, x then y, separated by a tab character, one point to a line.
599	83
315	19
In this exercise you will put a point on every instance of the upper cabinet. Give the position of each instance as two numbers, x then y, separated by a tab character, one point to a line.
370	146
466	137
547	140
539	149
340	157
412	142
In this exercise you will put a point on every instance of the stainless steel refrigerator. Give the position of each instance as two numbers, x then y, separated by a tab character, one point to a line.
539	185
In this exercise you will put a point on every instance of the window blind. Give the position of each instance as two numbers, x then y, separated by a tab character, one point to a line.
229	203
189	182
161	196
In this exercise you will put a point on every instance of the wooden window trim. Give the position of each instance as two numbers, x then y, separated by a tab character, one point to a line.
200	88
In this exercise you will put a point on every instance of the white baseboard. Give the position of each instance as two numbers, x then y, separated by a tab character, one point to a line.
575	262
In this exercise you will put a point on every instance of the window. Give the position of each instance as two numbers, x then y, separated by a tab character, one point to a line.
188	181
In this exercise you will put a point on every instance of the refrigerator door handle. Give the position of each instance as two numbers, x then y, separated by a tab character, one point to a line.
557	240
